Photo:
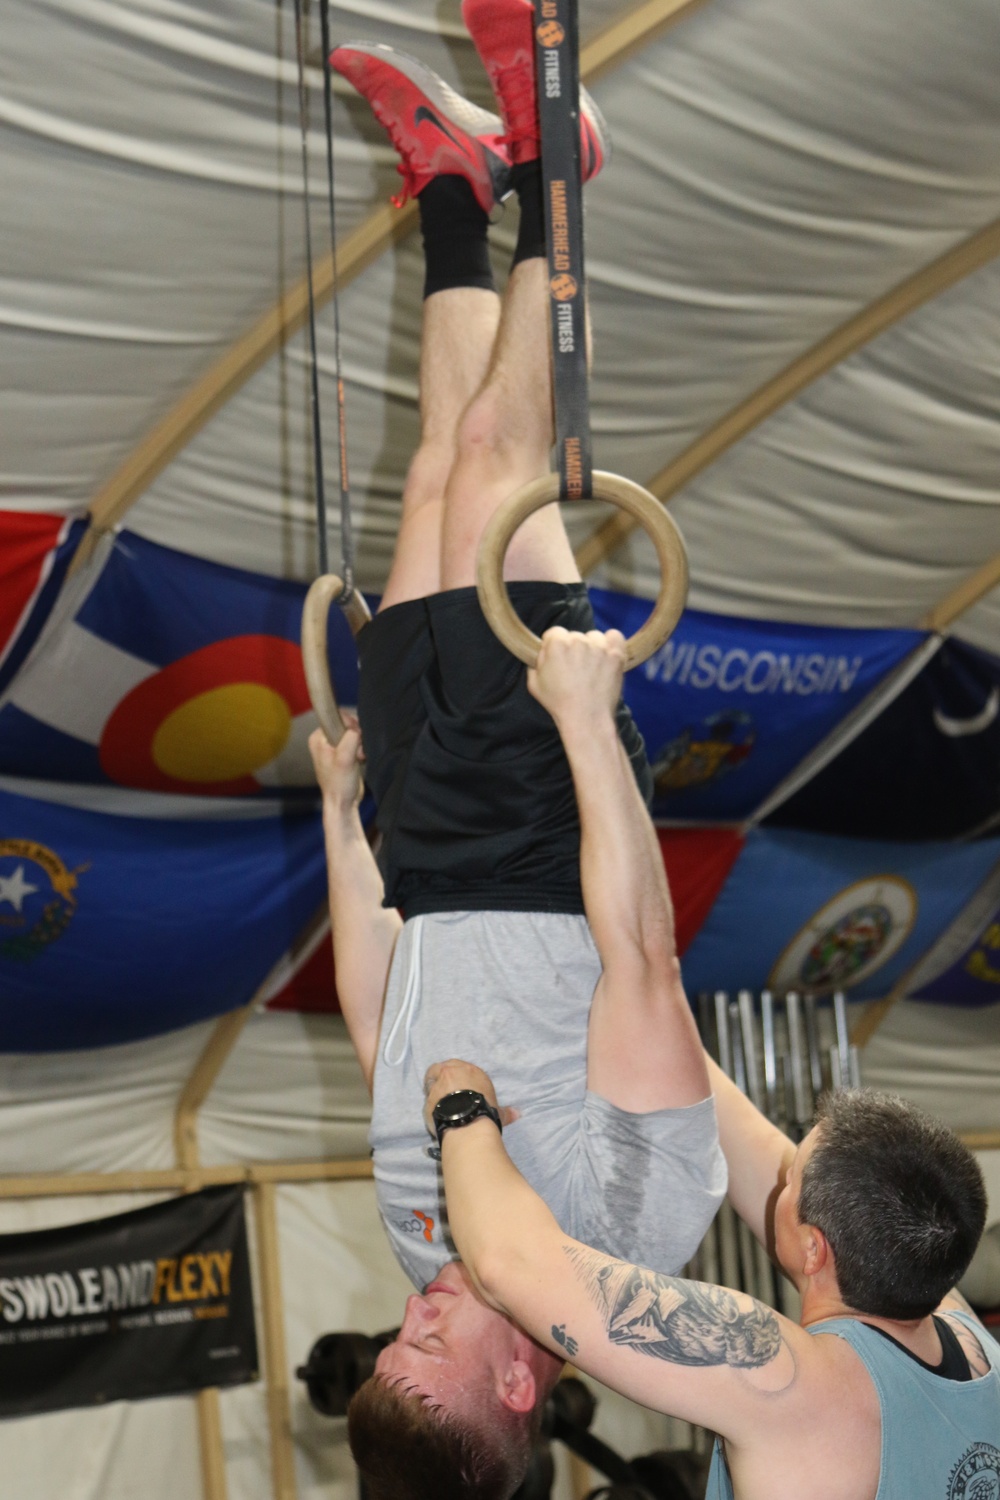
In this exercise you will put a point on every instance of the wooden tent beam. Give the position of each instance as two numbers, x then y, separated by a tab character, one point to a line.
234	369
626	35
382	228
279	1405
179	1179
980	1140
930	281
211	1445
225	1035
974	589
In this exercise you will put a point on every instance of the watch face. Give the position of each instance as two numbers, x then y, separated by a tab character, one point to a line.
457	1106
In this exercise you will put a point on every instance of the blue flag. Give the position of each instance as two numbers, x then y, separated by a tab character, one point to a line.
729	707
970	976
808	912
119	926
926	768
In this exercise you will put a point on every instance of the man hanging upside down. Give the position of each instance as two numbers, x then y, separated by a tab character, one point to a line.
507	809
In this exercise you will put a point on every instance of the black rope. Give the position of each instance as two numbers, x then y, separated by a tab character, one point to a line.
558	75
346	529
321	540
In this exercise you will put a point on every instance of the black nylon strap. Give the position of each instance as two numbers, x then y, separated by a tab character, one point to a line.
558	75
346	529
300	53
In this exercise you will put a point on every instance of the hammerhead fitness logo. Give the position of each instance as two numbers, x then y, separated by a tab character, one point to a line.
37	897
562	284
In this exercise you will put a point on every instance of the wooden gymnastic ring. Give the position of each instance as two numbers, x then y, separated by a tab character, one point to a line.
324	592
660	527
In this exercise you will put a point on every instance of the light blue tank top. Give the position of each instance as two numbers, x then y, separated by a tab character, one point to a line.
940	1438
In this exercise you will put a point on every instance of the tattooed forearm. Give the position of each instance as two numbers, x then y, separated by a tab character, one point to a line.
685	1322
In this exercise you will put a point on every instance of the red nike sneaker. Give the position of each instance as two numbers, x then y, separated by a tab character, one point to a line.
436	132
503	32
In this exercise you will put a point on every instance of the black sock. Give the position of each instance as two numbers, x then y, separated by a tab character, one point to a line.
527	182
454	230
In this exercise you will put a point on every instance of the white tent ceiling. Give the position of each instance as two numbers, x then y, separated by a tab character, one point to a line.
778	167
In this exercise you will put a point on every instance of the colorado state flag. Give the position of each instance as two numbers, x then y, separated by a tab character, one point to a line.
115	926
173	674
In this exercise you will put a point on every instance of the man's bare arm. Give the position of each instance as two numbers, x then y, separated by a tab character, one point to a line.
757	1154
364	932
705	1353
643	1049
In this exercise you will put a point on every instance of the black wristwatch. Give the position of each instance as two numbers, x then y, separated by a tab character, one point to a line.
461	1108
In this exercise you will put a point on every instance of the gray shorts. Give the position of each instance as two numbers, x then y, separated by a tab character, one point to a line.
511	992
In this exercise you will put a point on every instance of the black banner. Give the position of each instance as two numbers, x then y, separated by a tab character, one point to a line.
558	75
149	1303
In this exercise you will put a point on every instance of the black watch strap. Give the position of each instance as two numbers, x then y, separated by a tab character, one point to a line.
460	1108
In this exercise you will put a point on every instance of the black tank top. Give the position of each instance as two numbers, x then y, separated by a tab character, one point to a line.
954	1363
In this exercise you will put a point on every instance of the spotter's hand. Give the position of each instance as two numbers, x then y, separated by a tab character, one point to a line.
578	677
339	767
448	1077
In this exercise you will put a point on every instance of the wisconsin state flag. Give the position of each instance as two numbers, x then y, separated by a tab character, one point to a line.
730	707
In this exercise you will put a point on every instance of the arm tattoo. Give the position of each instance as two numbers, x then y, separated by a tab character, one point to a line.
685	1322
563	1339
978	1363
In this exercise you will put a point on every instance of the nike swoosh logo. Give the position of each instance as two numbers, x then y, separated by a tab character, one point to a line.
422	113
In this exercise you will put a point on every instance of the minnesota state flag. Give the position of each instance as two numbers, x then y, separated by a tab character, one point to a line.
813	913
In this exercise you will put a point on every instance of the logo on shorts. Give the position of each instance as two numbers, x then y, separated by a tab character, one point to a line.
550	34
563	287
418	1223
976	1476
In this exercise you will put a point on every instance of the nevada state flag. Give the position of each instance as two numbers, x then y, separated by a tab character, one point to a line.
140	913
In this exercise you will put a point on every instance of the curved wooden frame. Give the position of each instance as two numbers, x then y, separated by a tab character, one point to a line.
660	526
930	281
325	591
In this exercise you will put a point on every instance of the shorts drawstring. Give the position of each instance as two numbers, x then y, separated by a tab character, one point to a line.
411	998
